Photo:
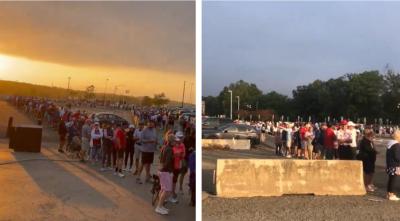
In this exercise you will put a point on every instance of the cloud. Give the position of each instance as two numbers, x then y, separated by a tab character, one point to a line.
148	35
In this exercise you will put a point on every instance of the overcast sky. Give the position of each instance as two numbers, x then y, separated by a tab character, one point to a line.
147	46
279	46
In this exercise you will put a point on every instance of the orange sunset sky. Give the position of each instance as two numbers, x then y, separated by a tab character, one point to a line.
143	47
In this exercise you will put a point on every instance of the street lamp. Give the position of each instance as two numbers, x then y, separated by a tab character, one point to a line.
238	98
230	91
105	91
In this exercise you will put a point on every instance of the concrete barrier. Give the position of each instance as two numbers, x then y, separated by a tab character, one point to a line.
234	144
259	177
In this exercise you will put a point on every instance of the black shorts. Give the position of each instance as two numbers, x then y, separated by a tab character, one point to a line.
176	175
147	157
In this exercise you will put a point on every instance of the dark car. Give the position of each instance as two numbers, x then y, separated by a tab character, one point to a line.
214	122
230	131
109	118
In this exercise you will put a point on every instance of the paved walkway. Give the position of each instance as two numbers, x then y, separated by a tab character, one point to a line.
52	189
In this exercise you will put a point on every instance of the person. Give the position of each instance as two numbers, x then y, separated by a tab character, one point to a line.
138	146
108	135
344	137
165	174
329	142
95	141
278	142
288	144
119	146
319	142
179	167
62	132
190	143
367	155
86	135
302	131
308	142
192	178
130	148
149	143
393	165
353	134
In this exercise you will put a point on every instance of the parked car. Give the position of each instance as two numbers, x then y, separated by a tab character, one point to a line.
230	131
214	122
109	118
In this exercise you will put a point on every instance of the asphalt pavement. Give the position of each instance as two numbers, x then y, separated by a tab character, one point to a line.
51	187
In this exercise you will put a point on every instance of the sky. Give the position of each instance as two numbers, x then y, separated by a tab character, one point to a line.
280	45
141	47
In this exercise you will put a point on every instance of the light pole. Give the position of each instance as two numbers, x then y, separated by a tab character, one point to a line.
105	91
69	81
183	94
230	91
238	98
190	94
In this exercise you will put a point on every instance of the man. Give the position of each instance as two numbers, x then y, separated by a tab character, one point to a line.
329	143
130	148
344	140
95	141
86	135
108	135
165	174
119	145
138	146
353	134
62	132
149	144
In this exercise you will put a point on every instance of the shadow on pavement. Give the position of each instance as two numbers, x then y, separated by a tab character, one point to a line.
60	183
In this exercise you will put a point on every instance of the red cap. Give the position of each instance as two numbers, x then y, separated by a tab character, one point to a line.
343	122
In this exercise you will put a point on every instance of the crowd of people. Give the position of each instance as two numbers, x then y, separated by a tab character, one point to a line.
344	140
126	149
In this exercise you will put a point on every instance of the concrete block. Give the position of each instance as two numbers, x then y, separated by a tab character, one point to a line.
234	144
267	177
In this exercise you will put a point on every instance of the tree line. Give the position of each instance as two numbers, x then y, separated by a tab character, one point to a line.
370	95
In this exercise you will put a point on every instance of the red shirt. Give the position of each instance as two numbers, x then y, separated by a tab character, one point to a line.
179	155
329	138
120	139
303	131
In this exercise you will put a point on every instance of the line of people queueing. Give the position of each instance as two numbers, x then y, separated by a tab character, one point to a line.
120	149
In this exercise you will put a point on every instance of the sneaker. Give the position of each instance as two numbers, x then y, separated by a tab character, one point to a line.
173	200
125	169
103	169
393	198
161	211
130	169
288	156
369	189
166	209
121	175
115	173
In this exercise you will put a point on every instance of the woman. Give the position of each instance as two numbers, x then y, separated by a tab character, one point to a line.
309	137
393	165
367	155
179	151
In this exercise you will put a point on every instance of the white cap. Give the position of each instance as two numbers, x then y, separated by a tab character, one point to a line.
131	126
351	124
179	134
